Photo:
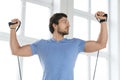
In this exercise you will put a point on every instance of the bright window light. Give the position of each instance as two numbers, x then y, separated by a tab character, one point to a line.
8	63
37	21
95	30
80	29
81	68
99	5
36	26
81	5
9	9
32	69
101	70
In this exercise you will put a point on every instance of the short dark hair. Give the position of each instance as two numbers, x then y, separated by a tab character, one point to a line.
54	20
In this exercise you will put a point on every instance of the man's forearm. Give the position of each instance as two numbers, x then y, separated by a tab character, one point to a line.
103	36
13	41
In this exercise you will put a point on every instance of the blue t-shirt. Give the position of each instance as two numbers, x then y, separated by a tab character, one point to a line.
58	57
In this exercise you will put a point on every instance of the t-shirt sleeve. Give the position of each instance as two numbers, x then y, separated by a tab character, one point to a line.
81	45
34	47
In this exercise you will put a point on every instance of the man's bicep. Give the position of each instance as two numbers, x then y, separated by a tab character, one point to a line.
91	46
25	51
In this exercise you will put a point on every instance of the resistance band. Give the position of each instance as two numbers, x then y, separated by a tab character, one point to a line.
100	21
96	65
18	58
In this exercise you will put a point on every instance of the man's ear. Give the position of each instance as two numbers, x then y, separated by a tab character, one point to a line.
54	26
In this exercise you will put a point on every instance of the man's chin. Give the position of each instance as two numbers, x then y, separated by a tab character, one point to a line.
66	33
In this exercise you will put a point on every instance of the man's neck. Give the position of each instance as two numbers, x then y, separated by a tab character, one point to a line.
57	36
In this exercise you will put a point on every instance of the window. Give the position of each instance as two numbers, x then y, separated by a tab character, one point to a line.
81	68
101	5
32	69
37	19
8	63
81	5
80	29
85	27
36	27
101	70
9	9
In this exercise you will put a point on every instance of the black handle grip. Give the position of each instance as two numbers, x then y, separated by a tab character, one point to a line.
11	23
105	15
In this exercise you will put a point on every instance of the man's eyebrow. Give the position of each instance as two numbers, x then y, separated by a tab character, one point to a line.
64	20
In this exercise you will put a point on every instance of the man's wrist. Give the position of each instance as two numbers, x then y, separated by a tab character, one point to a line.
103	20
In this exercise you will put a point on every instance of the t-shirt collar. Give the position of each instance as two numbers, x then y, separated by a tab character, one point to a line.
52	39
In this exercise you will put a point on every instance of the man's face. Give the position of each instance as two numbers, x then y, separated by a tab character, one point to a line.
63	26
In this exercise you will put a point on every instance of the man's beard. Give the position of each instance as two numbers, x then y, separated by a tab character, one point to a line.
63	32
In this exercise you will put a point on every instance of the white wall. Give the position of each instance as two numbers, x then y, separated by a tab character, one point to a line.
114	40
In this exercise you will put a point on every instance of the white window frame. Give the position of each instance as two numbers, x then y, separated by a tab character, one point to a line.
5	36
89	17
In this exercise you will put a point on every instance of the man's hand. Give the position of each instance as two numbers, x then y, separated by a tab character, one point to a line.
17	23
101	16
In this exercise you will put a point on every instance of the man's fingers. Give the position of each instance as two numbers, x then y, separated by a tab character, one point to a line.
15	20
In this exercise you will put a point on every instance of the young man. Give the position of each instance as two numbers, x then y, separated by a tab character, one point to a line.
58	54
